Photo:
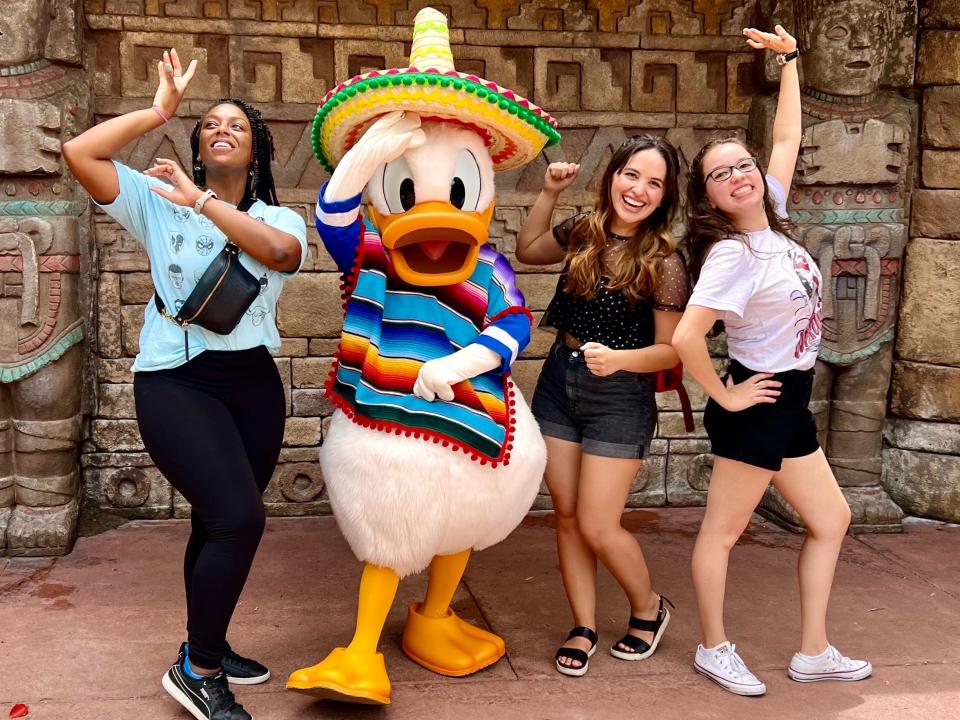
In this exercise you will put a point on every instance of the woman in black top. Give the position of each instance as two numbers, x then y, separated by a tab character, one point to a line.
620	296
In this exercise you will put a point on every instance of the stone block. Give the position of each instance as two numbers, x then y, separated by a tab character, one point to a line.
941	117
131	492
324	347
537	289
940	14
136	288
109	320
311	403
924	484
310	306
115	371
311	372
929	327
131	320
939	58
525	374
649	486
301	431
115	435
115	401
941	168
926	392
934	213
688	475
296	489
928	437
283	368
294	347
670	425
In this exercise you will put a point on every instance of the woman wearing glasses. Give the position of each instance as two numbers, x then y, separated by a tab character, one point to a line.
752	274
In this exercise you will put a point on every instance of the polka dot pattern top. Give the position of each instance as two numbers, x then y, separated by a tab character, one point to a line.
607	318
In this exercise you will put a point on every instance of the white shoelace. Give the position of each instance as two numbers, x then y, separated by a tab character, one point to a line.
729	660
841	662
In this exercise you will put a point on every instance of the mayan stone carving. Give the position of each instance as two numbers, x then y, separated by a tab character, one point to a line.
849	198
41	319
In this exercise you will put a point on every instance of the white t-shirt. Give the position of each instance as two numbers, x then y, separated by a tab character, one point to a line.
768	295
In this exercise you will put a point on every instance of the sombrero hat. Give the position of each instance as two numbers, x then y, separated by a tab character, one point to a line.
513	128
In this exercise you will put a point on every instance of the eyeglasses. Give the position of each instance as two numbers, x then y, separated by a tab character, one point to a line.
725	172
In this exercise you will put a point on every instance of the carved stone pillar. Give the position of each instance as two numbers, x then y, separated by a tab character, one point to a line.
850	198
44	101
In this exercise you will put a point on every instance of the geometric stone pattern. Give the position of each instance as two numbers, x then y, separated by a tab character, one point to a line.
607	69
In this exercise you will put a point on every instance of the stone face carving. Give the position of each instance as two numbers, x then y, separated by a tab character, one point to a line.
849	198
41	320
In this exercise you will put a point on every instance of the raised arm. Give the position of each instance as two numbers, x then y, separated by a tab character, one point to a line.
535	242
89	154
787	130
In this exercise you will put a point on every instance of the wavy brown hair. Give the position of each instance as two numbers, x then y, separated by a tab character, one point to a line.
707	225
639	260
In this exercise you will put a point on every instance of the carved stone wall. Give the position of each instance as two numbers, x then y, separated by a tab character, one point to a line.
921	460
605	68
45	271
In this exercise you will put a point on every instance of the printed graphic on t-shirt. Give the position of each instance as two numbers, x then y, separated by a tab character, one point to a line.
181	213
808	312
176	276
176	242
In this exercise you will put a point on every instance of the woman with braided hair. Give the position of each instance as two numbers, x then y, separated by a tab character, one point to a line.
210	406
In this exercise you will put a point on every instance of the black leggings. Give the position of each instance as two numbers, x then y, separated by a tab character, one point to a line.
214	427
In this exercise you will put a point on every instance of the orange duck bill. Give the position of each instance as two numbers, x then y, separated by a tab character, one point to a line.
433	243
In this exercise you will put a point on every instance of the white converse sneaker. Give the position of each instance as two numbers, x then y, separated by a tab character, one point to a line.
829	665
722	665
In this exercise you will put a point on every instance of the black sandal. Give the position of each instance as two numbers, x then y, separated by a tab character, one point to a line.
640	649
581	656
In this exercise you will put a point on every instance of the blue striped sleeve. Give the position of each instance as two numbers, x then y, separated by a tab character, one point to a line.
338	223
508	331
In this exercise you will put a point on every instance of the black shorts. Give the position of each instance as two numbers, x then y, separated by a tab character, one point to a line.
765	434
611	416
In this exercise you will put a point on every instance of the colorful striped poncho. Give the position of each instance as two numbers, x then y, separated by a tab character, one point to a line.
391	328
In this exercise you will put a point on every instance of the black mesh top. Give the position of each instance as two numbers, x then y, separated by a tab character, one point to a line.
608	318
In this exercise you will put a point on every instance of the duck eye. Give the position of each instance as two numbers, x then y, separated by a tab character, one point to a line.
399	190
465	185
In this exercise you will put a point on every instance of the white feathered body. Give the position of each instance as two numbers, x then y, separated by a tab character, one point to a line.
399	500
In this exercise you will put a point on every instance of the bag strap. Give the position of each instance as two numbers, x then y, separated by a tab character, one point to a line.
243	207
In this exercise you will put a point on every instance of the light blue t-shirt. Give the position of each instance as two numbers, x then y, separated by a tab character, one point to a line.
181	244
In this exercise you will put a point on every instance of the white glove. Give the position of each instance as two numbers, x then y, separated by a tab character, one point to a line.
387	139
436	377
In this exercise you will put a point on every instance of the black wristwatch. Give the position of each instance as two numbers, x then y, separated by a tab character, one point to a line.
783	59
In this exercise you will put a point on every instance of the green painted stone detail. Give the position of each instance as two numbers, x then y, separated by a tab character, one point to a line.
52	354
39	208
459	84
835	358
847	217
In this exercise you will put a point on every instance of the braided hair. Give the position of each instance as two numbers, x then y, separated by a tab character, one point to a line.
260	184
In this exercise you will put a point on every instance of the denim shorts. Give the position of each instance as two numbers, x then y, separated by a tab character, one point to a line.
612	416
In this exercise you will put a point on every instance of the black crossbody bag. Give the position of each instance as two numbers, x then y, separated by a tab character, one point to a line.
222	295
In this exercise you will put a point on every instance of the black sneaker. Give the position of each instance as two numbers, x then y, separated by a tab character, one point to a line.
239	670
243	671
209	698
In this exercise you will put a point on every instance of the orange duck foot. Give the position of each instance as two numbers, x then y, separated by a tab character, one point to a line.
448	645
345	675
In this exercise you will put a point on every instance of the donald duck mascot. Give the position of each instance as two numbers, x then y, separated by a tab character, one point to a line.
432	452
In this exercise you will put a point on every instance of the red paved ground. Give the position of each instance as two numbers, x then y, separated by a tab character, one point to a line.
88	636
